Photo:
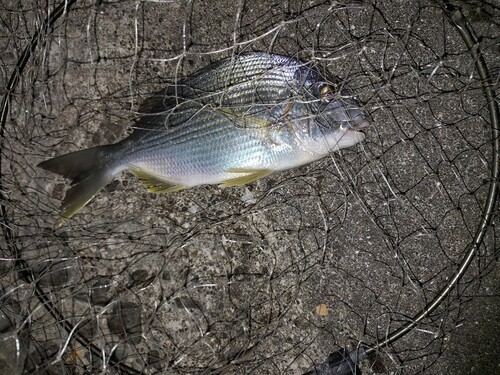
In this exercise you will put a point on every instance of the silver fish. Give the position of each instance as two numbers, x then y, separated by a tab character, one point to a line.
231	123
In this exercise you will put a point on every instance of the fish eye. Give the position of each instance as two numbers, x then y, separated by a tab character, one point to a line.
325	91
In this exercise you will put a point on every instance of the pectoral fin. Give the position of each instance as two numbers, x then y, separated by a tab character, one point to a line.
251	175
154	184
244	120
267	131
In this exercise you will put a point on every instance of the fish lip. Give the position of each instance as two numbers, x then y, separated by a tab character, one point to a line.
360	123
358	126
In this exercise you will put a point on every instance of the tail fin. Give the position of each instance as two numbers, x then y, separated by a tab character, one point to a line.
90	170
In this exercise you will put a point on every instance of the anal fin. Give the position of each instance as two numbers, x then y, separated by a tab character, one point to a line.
251	175
155	184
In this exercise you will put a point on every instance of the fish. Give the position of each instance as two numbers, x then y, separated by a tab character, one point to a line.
229	124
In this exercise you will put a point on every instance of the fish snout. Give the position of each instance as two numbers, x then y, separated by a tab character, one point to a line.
348	115
359	122
353	119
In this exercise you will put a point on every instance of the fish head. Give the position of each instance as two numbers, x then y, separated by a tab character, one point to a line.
336	120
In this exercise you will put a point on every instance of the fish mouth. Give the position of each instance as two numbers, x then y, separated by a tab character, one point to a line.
356	132
359	126
359	123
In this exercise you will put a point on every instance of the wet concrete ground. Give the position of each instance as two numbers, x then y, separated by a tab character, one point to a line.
271	277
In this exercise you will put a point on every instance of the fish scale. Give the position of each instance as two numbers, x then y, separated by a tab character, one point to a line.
230	123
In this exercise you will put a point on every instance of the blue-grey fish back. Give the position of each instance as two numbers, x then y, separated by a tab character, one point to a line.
243	80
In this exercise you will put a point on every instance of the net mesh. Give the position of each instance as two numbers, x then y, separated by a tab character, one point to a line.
271	277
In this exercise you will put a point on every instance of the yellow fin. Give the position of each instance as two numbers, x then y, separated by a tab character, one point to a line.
154	184
251	175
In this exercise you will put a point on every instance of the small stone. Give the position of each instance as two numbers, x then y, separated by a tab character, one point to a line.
126	321
154	360
12	354
99	293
